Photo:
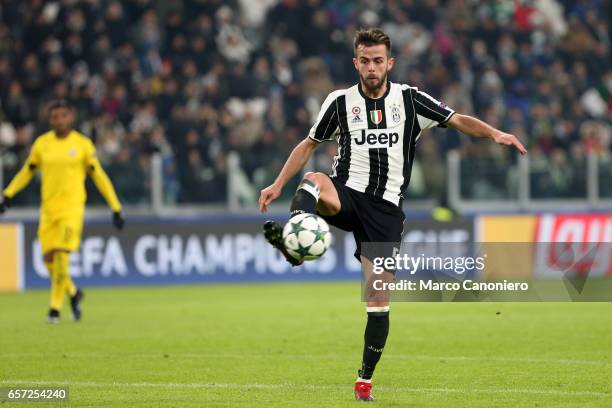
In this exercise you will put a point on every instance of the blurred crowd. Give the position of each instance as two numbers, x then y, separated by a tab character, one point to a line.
198	81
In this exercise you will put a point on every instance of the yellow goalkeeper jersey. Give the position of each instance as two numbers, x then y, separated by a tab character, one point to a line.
64	163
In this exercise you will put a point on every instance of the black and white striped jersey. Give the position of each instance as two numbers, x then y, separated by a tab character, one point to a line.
377	137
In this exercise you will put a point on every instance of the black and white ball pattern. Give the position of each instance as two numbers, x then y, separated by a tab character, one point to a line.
306	236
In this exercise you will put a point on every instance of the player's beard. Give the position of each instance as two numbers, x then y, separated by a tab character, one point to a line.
62	130
372	87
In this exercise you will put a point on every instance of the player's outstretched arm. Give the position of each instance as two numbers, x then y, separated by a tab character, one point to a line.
296	161
477	128
105	186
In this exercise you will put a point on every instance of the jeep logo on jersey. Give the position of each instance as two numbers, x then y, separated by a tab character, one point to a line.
376	116
381	139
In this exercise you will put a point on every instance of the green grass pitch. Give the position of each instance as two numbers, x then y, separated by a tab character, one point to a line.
299	344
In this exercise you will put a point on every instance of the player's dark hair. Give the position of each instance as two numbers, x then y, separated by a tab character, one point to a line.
371	36
59	103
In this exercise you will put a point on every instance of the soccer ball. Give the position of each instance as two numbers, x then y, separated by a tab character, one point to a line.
306	236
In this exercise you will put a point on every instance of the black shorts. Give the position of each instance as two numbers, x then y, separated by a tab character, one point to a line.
369	218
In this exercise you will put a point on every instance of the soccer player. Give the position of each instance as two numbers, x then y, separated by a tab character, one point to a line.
376	124
64	157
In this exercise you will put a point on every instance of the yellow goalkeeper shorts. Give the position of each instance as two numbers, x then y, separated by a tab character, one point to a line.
60	232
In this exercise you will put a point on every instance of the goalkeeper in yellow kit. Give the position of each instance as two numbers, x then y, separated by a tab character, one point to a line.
64	157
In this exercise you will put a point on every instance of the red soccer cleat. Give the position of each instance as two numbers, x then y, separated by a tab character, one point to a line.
363	391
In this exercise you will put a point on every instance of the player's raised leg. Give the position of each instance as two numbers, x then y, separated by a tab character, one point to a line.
316	192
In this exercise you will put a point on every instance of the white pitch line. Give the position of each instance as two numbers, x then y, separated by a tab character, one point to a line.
527	360
93	384
506	359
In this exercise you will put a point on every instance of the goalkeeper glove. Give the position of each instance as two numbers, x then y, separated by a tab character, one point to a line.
118	220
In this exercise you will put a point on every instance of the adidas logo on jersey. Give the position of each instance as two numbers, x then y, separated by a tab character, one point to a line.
381	139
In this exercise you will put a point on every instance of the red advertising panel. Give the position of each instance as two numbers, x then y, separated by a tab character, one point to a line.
573	244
